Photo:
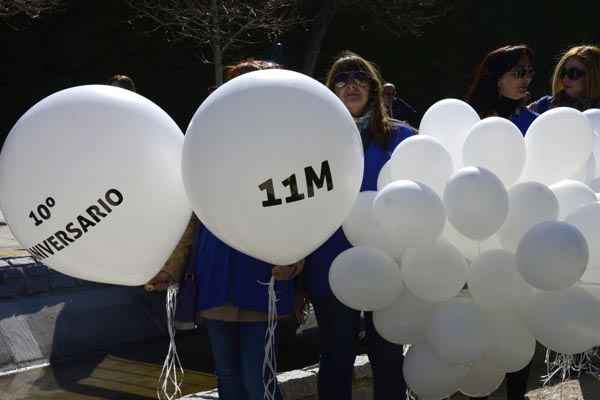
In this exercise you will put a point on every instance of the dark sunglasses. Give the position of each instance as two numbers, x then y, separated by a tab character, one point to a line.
521	72
572	73
344	78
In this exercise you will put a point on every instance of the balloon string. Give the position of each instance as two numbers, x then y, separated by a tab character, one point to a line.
270	360
171	375
562	365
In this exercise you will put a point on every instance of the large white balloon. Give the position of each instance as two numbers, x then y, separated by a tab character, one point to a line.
483	379
552	255
587	171
385	176
476	202
512	344
458	332
596	153
434	272
571	195
496	144
411	213
553	154
405	320
90	183
495	283
429	376
566	321
449	121
365	279
593	115
361	228
423	159
595	185
271	177
530	203
587	220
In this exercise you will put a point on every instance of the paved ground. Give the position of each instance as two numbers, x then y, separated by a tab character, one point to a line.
9	247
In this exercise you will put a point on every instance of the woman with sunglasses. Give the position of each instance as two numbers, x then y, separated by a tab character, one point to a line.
501	85
575	82
500	88
358	84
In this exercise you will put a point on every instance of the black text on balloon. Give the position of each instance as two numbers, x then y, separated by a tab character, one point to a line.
323	178
43	210
81	224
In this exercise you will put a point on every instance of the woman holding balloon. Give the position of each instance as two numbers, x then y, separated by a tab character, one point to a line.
500	88
358	84
575	82
233	296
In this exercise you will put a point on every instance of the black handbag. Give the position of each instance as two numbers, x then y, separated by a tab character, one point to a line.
187	296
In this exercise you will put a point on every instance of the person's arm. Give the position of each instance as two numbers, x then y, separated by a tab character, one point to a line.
540	105
173	269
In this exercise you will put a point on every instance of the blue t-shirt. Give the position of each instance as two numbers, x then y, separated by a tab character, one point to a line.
522	118
227	276
316	268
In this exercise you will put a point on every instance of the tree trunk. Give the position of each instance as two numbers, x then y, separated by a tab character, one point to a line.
218	61
318	30
217	46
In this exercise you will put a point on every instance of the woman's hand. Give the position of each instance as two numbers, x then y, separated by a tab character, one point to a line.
160	282
287	272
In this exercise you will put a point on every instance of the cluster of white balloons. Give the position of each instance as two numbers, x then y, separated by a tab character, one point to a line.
478	242
99	183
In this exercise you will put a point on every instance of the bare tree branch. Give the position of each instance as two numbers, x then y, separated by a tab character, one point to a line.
221	25
32	8
399	17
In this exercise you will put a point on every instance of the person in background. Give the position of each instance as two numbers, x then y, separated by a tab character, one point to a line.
231	299
396	107
500	87
357	83
122	81
575	82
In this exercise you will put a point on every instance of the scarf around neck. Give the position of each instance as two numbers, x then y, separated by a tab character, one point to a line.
362	123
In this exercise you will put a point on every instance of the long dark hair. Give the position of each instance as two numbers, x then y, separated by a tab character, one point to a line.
483	93
381	124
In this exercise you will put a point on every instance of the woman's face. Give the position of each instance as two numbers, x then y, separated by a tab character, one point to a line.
353	88
573	75
514	84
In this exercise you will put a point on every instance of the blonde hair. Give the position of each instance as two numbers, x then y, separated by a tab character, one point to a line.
590	57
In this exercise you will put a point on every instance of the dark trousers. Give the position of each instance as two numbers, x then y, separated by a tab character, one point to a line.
516	384
338	333
239	350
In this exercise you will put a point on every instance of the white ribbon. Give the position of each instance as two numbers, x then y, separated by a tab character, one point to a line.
270	361
171	376
562	365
